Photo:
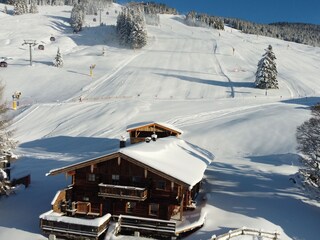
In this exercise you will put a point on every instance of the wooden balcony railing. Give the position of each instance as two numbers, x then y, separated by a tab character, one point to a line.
161	229
123	192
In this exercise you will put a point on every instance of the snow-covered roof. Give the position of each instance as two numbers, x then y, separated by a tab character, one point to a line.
142	124
172	156
59	217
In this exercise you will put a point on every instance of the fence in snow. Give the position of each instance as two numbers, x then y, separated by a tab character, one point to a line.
247	232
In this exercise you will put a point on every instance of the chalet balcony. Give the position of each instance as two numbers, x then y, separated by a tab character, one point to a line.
123	192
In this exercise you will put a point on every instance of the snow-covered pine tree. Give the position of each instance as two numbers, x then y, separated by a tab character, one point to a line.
33	7
77	17
24	6
124	23
138	34
191	18
131	28
91	6
58	60
266	75
20	7
308	143
6	141
17	8
58	2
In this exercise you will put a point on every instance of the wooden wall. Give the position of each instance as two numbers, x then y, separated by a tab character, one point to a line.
86	190
56	207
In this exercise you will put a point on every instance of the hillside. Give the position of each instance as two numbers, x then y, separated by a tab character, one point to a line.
185	76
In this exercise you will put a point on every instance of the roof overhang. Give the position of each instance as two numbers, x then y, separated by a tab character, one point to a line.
172	158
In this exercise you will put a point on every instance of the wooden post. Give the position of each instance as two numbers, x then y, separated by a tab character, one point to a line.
181	207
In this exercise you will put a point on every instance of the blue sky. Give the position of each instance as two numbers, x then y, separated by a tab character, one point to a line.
260	11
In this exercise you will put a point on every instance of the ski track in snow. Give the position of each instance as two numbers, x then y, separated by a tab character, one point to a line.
26	113
204	117
222	72
293	91
87	90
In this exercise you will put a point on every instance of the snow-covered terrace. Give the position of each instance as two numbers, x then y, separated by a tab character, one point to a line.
58	224
60	217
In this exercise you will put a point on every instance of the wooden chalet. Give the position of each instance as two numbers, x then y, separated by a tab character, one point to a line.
140	131
142	185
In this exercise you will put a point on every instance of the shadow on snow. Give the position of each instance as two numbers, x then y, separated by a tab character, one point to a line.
261	195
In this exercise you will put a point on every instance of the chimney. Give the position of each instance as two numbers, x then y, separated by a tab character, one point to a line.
154	136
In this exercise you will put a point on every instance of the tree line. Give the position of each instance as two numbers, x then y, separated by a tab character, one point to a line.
153	8
294	32
58	2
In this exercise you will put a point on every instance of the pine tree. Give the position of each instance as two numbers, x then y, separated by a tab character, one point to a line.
58	61
131	28
138	34
25	6
33	7
6	141
266	75
123	27
77	17
20	7
308	143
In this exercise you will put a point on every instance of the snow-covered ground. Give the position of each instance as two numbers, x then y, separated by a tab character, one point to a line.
185	76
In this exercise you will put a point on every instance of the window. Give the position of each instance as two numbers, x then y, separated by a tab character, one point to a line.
91	177
136	179
154	209
130	206
115	179
161	185
85	198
